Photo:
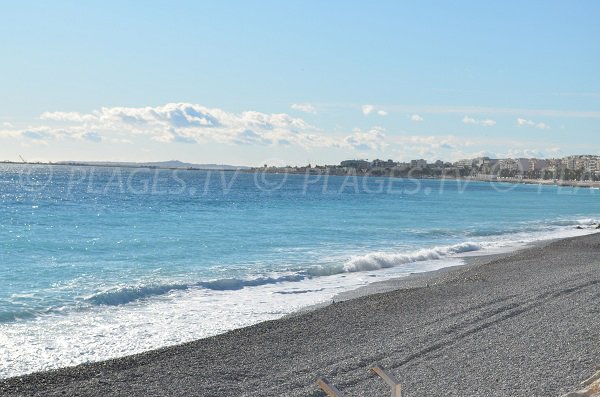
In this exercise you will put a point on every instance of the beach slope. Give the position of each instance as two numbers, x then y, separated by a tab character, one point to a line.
527	324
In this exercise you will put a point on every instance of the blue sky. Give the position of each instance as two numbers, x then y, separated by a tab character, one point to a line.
298	81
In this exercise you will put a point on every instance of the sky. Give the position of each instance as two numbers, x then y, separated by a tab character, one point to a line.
296	82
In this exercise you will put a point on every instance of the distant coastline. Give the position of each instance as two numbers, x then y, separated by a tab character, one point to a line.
167	165
319	170
480	178
576	170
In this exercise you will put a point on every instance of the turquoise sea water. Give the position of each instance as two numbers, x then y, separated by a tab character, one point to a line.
121	260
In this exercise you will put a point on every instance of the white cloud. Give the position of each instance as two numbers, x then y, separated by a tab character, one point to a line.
416	118
431	147
304	107
483	123
67	116
530	123
367	109
469	120
7	124
194	123
9	134
523	153
46	134
37	134
554	150
522	122
374	139
184	123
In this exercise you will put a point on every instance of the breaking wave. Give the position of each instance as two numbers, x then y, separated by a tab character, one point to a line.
368	262
120	296
575	222
381	260
123	295
236	283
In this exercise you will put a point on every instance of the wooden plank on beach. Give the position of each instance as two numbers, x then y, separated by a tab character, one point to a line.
591	379
389	379
591	387
384	374
328	388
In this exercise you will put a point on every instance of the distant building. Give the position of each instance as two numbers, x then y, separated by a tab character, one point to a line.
591	164
586	163
402	166
510	165
464	163
522	164
490	166
573	162
356	164
570	162
481	162
420	163
537	165
383	164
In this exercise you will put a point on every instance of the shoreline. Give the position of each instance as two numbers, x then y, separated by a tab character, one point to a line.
338	339
422	279
121	338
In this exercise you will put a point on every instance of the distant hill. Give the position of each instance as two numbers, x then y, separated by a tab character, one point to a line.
157	164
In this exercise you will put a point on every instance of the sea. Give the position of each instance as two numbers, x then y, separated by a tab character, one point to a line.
103	262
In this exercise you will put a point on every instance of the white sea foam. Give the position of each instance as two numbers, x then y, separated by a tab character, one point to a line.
108	331
382	260
360	263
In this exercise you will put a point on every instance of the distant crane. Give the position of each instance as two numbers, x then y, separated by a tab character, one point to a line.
22	159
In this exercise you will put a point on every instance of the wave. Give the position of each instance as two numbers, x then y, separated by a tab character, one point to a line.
9	316
228	284
575	222
532	227
368	262
382	260
359	263
123	295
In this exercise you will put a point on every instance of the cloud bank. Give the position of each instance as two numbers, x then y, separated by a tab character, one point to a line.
187	123
179	122
194	124
374	139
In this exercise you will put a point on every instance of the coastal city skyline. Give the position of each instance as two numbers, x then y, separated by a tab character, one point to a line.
589	162
569	168
242	83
